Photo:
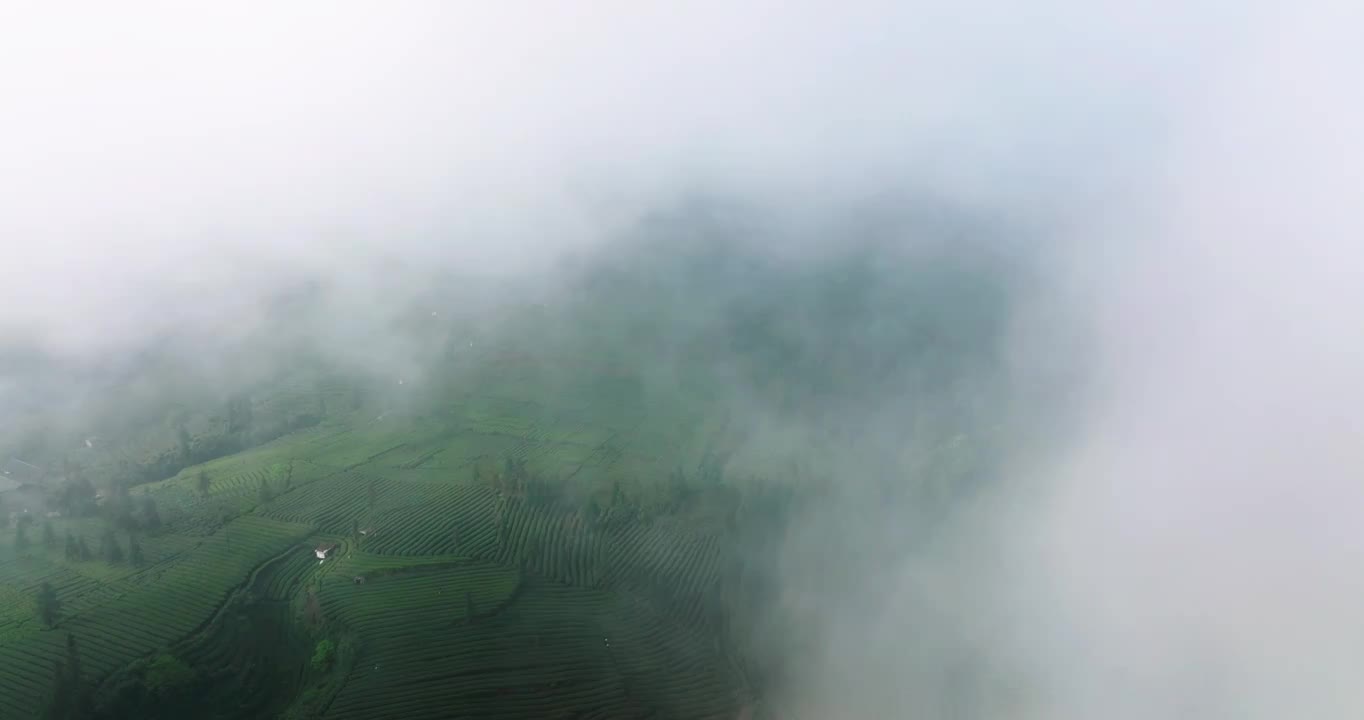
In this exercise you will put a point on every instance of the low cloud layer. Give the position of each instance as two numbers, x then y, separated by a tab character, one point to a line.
161	151
1202	540
1189	546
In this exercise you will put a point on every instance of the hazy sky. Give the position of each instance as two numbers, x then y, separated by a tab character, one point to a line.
1197	551
159	148
1207	533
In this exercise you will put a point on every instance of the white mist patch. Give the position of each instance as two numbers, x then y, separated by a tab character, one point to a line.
1199	549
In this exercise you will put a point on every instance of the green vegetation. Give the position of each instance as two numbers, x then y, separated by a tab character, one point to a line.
549	526
493	595
167	676
49	606
323	655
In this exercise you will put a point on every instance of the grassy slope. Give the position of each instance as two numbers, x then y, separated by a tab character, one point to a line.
608	620
582	584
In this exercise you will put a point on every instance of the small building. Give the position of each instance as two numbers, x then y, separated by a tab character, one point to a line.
324	550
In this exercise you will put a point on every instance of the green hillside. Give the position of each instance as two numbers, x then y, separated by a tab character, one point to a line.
474	586
581	513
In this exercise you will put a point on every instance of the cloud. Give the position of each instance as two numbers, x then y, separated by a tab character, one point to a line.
159	150
1200	538
1183	546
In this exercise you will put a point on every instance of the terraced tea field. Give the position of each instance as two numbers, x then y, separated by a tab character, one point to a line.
463	596
253	658
127	621
537	650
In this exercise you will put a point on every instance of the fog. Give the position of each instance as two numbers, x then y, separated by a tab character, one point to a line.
1177	526
246	144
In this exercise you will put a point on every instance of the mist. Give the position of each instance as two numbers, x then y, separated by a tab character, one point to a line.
251	145
1152	216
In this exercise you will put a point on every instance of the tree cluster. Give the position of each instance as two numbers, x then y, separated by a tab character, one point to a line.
517	482
71	698
109	548
125	513
49	605
76	548
77	497
155	688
